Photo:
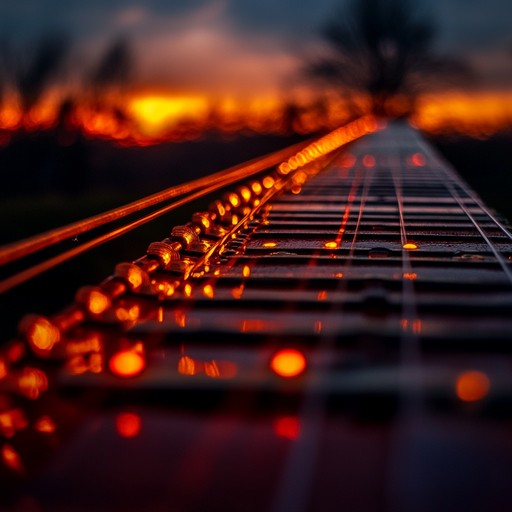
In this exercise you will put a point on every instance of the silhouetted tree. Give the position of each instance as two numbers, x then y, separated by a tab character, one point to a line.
114	68
382	48
39	66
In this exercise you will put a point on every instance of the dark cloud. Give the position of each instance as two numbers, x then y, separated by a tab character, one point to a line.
211	31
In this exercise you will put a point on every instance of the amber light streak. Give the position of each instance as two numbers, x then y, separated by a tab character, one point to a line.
472	386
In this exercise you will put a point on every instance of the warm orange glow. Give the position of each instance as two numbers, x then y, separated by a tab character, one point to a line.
187	366
322	295
252	325
128	314
287	427
339	275
246	271
270	245
32	382
477	114
45	424
98	302
237	292
156	114
410	246
43	335
127	363
234	199
208	291
11	458
472	386
211	369
187	290
11	421
268	182
150	117
128	424
331	245
410	276
288	363
3	369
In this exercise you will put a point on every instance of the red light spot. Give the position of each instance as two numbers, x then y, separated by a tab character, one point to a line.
128	424
127	363
472	386
418	159
288	427
288	363
369	161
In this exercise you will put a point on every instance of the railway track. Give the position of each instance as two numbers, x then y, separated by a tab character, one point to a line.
332	334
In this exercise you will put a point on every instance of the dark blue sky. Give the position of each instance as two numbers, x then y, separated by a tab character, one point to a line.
244	44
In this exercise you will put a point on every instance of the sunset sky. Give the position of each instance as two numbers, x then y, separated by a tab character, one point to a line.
242	45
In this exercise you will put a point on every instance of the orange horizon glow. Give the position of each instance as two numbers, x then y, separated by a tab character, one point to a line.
149	117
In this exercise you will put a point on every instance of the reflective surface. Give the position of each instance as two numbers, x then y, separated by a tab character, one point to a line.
345	348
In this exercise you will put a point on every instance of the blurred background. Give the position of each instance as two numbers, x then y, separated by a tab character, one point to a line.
104	102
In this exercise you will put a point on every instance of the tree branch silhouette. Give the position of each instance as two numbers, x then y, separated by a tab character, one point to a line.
382	49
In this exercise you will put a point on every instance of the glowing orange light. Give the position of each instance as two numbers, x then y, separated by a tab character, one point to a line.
98	302
180	317
246	271
411	276
187	290
288	363
208	291
11	421
339	275
268	182
245	193
154	114
127	363
472	386
211	369
410	246
331	245
3	369
128	424
11	458
234	199
45	424
322	295
237	292
256	187
135	276
287	427
187	366
270	244
32	383
43	335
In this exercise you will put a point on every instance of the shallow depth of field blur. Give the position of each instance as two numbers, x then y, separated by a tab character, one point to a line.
104	102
